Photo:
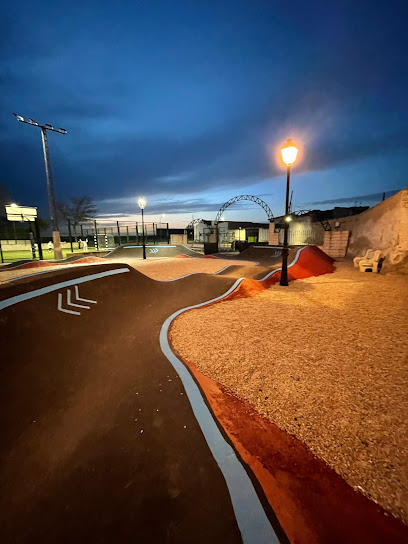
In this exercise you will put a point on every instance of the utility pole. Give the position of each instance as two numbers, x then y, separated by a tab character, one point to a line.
50	184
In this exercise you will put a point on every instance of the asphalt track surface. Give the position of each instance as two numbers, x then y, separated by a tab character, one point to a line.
105	436
130	251
99	440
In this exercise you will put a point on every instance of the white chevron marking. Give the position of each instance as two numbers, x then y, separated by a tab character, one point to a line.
83	299
61	309
69	303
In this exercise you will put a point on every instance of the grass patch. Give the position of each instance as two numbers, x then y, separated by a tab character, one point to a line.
25	254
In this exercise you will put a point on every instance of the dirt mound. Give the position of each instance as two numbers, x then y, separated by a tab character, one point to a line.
88	260
396	263
310	261
33	264
15	264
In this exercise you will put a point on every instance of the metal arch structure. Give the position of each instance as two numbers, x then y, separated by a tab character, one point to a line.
255	199
195	222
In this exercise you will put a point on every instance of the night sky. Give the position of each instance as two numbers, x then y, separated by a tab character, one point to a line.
186	103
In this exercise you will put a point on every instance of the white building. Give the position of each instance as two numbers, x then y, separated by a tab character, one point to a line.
230	232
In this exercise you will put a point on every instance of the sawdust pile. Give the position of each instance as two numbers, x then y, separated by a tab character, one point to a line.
326	360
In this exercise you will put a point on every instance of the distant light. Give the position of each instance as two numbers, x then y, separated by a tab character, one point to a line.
14	204
289	152
142	203
288	218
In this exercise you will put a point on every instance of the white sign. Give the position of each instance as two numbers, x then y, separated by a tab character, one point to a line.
20	213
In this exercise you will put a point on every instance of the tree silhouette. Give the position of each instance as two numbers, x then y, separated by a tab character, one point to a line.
77	211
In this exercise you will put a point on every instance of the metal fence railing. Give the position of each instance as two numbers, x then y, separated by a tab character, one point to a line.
15	243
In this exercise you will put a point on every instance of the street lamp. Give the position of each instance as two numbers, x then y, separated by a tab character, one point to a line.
289	153
142	204
50	186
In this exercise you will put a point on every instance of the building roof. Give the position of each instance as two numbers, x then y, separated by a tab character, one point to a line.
246	225
324	215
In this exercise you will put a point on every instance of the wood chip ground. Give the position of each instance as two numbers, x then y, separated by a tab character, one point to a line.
326	360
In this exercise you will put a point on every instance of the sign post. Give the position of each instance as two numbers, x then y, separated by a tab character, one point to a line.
23	213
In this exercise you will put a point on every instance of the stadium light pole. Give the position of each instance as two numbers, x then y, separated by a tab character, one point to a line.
50	185
289	153
142	204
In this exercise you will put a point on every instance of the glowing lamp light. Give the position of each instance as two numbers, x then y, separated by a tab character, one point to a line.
289	152
13	204
142	203
288	218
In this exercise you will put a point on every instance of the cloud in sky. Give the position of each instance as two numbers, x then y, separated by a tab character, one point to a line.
186	102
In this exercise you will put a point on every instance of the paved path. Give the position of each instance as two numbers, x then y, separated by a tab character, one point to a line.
156	251
99	442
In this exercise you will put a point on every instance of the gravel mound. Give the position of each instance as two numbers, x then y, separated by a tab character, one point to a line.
326	360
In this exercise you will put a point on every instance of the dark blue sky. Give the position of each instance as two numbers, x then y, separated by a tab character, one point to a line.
186	102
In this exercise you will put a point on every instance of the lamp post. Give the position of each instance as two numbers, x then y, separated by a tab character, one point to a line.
50	185
289	153
142	204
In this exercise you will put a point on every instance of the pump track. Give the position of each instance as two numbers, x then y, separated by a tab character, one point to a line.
107	436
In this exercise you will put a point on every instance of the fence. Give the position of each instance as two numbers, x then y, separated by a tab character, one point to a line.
15	241
101	237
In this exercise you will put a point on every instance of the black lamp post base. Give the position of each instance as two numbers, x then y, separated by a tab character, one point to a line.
284	271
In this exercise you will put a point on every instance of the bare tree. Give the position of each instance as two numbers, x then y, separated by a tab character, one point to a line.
77	211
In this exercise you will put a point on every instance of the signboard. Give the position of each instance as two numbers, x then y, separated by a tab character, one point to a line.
21	213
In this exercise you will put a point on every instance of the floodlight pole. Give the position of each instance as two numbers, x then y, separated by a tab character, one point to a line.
50	182
285	249
50	185
51	197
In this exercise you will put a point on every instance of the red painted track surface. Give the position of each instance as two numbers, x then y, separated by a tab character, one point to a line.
99	443
46	264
